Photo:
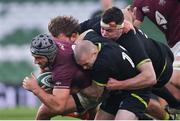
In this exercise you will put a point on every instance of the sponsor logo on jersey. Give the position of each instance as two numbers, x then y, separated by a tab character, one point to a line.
162	2
161	20
58	83
145	9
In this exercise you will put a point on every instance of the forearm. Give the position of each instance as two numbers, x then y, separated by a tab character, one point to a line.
146	78
56	101
49	100
138	82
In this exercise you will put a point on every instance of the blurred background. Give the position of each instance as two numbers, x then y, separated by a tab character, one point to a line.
20	21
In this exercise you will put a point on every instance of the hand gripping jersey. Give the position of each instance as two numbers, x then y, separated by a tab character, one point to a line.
142	49
113	60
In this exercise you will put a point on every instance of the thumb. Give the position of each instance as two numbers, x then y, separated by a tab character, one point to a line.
32	75
134	10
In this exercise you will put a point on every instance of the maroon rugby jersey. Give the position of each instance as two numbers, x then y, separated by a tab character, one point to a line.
65	72
164	13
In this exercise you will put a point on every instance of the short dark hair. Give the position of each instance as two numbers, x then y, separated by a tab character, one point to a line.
113	14
63	24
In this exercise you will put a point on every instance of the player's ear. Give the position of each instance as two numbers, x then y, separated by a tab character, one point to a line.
32	75
134	10
74	37
95	52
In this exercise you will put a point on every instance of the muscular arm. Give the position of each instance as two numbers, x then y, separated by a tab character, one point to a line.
146	78
56	101
82	35
45	113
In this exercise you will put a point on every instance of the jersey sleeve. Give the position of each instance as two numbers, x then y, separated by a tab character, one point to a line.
100	74
82	79
139	14
94	37
63	76
135	47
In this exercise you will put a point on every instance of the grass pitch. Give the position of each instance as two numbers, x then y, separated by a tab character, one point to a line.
29	114
24	114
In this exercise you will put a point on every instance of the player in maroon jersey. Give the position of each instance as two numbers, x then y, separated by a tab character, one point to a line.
57	56
166	15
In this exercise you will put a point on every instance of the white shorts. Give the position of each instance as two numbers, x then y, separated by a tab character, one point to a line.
176	52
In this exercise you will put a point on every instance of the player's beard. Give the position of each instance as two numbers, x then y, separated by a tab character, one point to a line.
43	67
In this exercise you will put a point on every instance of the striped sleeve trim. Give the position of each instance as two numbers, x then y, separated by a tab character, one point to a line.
61	87
165	65
99	84
142	62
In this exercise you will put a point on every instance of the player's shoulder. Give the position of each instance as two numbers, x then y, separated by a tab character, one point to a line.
63	43
129	36
94	37
65	48
110	50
